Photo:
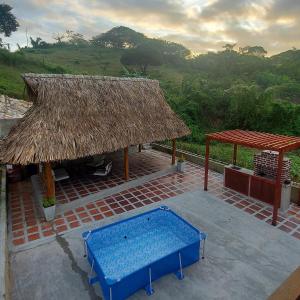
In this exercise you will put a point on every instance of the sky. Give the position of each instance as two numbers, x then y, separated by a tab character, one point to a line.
200	25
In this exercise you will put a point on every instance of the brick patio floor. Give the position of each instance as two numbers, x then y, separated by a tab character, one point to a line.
141	164
26	224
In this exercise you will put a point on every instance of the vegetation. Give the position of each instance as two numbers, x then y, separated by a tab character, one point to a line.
48	202
143	57
215	91
119	37
8	22
181	159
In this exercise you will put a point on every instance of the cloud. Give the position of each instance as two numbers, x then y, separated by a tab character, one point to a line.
201	25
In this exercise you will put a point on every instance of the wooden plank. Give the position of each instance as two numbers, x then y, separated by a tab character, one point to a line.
206	164
173	151
49	181
277	189
289	289
234	154
259	140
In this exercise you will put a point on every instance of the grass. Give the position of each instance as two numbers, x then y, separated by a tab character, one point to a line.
72	60
223	153
83	60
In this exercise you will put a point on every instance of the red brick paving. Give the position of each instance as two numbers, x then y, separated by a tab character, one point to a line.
61	228
33	237
18	242
74	224
24	215
48	233
141	164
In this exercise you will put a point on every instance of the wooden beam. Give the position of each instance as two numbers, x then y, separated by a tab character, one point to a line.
234	154
140	147
126	164
206	164
49	181
278	185
173	151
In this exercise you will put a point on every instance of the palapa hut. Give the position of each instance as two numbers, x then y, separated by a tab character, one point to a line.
75	116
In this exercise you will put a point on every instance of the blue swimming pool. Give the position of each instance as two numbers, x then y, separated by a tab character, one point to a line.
129	255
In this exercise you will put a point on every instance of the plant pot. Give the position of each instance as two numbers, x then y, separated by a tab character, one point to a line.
49	212
181	166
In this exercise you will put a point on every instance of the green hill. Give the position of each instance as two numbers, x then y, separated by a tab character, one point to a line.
74	60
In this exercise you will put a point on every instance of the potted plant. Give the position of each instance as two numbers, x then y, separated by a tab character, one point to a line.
181	164
49	208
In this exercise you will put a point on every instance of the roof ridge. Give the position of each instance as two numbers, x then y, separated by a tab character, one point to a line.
77	76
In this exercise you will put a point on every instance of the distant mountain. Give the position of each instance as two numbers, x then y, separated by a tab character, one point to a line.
287	56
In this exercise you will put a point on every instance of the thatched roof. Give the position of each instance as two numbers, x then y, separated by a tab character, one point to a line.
77	116
11	108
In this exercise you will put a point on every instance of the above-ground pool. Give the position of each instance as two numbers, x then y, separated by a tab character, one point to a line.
129	255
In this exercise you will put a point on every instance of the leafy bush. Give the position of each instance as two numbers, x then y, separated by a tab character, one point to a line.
12	58
48	202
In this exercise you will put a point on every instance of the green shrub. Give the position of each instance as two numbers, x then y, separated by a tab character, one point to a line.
48	202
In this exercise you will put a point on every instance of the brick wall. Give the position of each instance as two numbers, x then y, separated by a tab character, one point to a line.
266	163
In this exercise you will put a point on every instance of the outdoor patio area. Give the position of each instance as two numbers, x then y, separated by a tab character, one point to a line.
245	258
27	227
81	185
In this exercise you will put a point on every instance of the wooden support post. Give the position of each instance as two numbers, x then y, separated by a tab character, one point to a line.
173	151
140	147
206	164
49	181
126	164
234	154
277	199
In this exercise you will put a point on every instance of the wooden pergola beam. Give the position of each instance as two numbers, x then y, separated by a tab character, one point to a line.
234	154
206	163
238	138
49	181
173	151
126	164
278	188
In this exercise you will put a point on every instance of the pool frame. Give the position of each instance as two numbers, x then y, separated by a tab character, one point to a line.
174	262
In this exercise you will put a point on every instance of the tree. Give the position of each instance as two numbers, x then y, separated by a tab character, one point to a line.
75	38
59	37
119	37
69	37
167	48
229	47
38	43
253	50
143	57
8	22
249	107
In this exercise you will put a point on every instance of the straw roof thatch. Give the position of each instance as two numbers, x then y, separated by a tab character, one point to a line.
78	116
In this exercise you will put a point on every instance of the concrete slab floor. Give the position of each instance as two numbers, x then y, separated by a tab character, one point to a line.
245	258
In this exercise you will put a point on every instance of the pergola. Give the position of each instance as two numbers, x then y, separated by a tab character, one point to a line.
257	140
